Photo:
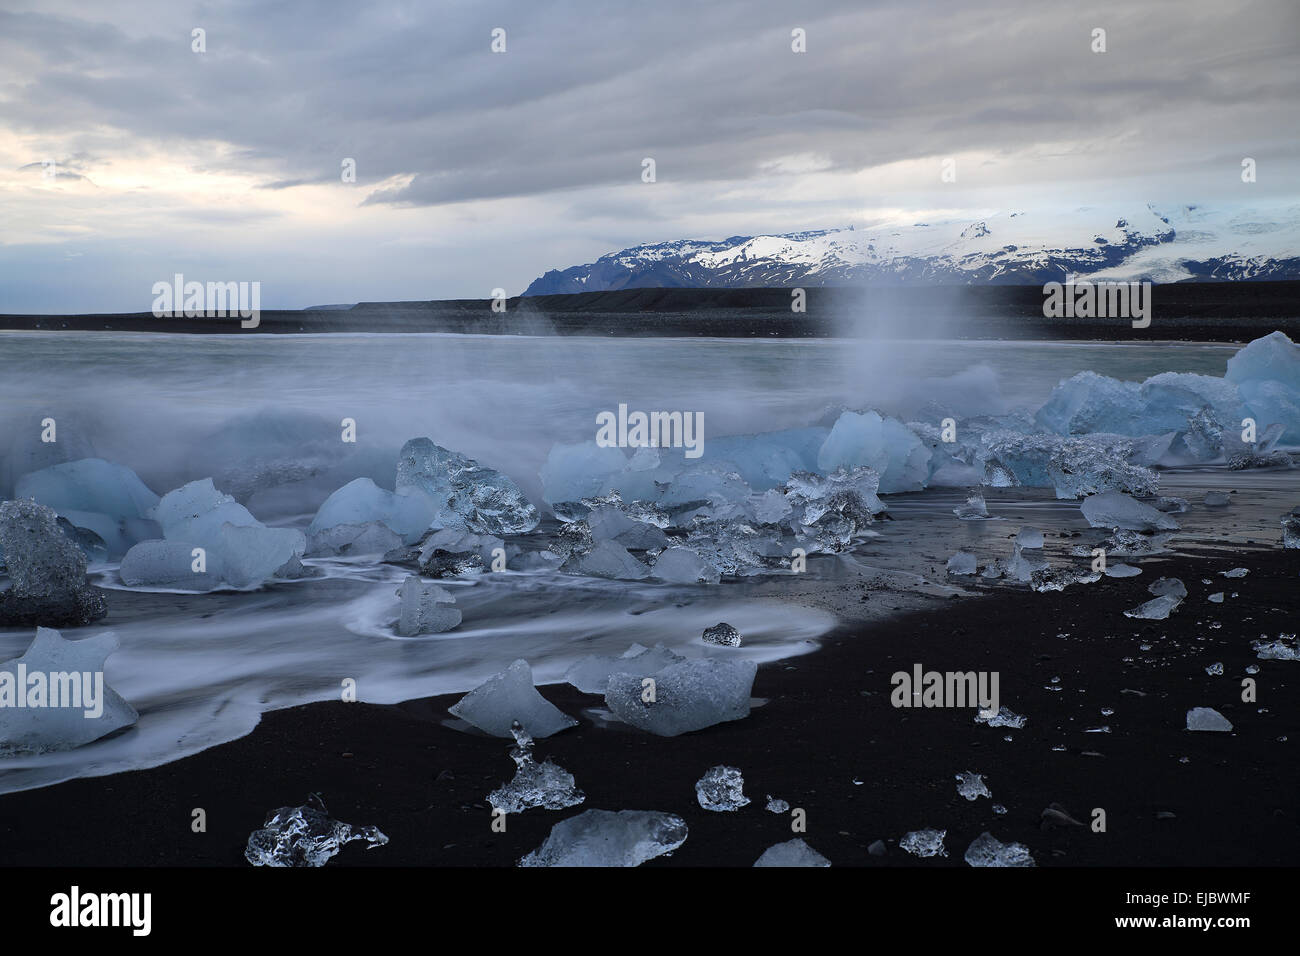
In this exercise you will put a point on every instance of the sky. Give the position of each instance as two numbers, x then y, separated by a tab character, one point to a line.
127	155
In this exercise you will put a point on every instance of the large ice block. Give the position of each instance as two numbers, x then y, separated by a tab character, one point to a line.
507	697
465	495
685	696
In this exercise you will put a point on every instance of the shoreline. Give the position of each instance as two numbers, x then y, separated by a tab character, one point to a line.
826	740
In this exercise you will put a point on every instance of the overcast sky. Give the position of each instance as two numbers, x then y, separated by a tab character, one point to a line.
477	169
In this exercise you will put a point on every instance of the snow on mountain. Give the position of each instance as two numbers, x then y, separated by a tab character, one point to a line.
1186	242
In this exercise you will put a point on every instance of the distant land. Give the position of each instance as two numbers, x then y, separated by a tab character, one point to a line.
1117	243
1186	311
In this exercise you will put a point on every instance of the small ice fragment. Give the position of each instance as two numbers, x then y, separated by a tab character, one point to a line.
1005	717
973	510
1215	669
426	608
1216	598
1216	499
999	809
1171	505
776	806
971	785
1114	509
723	634
609	838
1122	571
70	713
985	850
508	696
304	836
721	789
924	842
1235	573
792	853
1276	650
963	562
680	565
1029	538
1207	718
544	784
1171	587
1157	609
685	696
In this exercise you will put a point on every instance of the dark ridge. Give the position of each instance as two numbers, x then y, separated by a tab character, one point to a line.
1193	311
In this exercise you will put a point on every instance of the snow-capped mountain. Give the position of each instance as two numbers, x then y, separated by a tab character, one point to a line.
1181	243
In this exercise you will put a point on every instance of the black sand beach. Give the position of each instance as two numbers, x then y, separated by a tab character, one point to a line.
827	740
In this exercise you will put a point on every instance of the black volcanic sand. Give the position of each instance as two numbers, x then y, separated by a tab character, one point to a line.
827	741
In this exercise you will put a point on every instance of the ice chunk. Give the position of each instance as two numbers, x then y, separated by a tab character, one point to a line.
973	510
766	460
47	571
590	674
250	555
169	564
304	836
721	789
374	537
1171	505
1216	598
507	697
580	470
1089	403
683	566
1157	609
607	559
1058	579
106	498
426	608
1235	573
1207	718
1113	509
772	507
362	502
1005	717
1291	529
723	634
1096	463
963	562
1216	499
1267	372
465	495
1122	571
985	850
971	785
776	806
885	445
1172	587
1029	538
449	545
608	838
1278	650
544	784
792	853
688	695
54	697
924	843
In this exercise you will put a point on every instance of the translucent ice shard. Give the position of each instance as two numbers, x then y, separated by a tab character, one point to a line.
169	564
590	674
106	498
1172	587
427	608
1278	650
607	559
985	850
721	789
1207	718
971	785
54	697
1005	717
924	842
723	634
362	502
683	566
1157	609
47	571
973	510
304	836
963	562
1113	509
685	696
507	697
608	838
792	853
1267	373
776	806
465	495
544	784
885	445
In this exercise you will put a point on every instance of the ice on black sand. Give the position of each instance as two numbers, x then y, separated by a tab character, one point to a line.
304	836
1114	509
609	838
924	843
590	674
721	789
985	850
971	785
685	696
1208	719
544	784
792	853
508	696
